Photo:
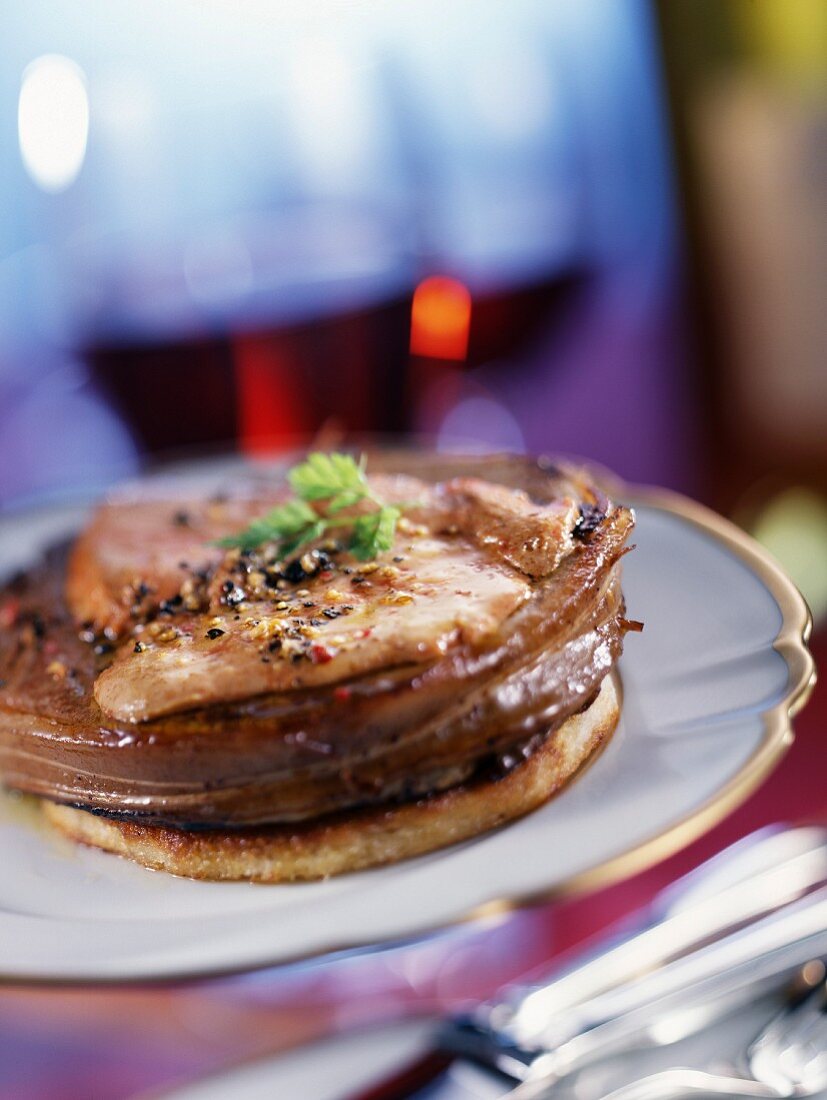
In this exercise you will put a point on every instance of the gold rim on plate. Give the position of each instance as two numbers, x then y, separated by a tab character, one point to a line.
791	642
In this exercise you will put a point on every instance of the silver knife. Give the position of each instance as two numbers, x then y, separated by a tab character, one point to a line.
747	881
750	960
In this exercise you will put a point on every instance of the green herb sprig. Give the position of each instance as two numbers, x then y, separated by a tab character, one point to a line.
340	481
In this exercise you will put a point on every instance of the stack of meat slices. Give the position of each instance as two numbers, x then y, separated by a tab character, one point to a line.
226	714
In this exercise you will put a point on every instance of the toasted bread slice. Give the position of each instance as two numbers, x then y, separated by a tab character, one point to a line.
360	839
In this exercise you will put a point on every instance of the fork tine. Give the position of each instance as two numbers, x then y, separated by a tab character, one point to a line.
792	1048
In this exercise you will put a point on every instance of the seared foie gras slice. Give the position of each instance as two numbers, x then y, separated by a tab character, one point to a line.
462	563
440	593
495	674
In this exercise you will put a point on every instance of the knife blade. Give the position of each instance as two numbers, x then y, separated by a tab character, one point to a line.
757	875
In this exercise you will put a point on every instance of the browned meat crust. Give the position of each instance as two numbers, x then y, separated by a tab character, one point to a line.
388	736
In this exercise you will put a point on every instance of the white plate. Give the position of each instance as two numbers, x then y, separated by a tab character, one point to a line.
709	688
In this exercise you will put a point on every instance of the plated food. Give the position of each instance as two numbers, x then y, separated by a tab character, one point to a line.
307	676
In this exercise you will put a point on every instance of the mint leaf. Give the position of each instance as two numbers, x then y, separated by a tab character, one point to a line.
322	476
306	534
340	481
345	499
283	522
374	532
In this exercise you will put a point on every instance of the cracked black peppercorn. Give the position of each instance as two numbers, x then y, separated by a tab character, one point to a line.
588	521
294	571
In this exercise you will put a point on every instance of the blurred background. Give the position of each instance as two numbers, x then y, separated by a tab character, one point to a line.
594	227
588	227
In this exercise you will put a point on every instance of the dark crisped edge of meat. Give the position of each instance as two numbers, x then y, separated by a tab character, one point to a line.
590	518
490	769
493	769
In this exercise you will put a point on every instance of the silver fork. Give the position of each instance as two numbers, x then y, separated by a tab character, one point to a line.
732	932
787	1059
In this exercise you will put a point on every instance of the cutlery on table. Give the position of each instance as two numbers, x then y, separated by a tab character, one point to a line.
751	878
728	930
788	1058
